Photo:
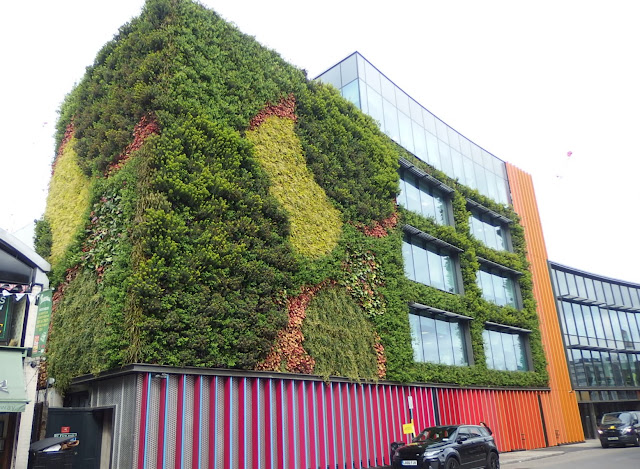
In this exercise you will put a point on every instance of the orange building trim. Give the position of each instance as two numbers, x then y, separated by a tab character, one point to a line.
562	417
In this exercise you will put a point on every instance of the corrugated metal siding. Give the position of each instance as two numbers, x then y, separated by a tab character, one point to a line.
561	409
233	422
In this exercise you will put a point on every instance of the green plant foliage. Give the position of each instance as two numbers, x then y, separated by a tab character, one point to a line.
67	201
351	159
43	239
77	342
189	249
315	223
212	252
339	337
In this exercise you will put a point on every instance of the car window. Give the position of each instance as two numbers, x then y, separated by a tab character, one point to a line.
436	434
616	418
474	432
464	432
484	431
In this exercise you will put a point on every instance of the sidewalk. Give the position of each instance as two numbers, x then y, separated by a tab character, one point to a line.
521	456
513	457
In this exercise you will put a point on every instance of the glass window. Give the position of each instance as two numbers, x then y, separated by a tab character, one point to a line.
442	131
591	293
433	150
497	288
352	92
445	157
390	120
599	291
578	365
349	69
406	135
402	101
453	138
488	230
505	351
430	265
388	90
419	197
437	340
419	142
582	291
332	77
561	282
617	295
571	282
429	121
626	299
374	103
416	111
372	76
408	260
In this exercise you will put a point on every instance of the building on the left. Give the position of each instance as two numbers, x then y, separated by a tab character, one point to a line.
25	307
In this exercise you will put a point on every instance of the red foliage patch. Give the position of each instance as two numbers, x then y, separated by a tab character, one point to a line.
379	229
288	348
147	126
380	358
286	109
68	134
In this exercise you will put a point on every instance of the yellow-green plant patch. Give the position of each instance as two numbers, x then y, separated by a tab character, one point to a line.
67	201
315	223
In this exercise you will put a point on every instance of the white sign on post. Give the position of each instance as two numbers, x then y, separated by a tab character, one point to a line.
410	402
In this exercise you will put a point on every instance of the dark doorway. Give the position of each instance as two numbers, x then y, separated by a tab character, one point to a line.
93	427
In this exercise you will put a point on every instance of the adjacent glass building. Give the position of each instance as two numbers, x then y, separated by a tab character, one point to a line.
417	129
600	321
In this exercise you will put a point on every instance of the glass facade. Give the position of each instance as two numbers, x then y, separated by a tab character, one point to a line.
429	264
419	196
489	231
505	350
497	287
600	320
416	129
438	340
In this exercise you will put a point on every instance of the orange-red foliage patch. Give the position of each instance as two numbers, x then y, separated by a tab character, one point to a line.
286	108
147	126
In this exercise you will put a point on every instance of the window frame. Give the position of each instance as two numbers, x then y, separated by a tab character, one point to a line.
464	322
491	218
437	189
524	335
499	270
437	246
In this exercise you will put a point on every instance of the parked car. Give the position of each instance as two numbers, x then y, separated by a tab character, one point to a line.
620	428
449	447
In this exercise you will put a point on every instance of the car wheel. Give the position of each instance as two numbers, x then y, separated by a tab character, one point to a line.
452	463
493	462
604	444
637	442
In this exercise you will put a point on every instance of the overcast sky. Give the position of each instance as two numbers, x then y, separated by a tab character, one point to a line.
527	81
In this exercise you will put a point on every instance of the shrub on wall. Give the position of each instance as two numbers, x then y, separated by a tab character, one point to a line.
201	227
315	223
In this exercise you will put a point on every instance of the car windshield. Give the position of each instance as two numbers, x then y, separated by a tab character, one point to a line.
616	418
435	434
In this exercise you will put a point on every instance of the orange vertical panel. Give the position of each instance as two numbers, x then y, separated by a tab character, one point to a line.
564	416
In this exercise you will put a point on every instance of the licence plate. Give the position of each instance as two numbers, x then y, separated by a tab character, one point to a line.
612	438
409	463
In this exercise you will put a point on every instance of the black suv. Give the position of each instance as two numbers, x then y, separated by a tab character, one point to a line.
449	447
620	428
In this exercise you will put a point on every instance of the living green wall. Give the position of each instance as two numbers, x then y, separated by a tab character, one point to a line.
191	253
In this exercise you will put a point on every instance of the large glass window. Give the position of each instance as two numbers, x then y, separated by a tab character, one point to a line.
497	287
428	264
419	196
438	340
488	230
505	350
